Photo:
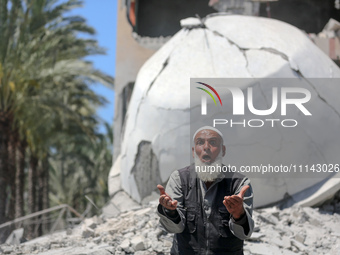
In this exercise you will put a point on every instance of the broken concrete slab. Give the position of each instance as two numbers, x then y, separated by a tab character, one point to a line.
124	202
138	243
261	249
15	238
110	210
320	193
125	244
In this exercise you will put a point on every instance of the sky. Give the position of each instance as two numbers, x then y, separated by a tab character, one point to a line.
102	16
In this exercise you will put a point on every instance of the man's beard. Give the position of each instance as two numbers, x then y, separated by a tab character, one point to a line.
208	176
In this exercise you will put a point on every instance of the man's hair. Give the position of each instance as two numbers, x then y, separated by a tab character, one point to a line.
208	128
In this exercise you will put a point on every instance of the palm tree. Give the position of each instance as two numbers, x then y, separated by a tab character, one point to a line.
41	70
86	163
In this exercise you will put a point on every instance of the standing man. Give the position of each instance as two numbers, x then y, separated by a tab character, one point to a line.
210	212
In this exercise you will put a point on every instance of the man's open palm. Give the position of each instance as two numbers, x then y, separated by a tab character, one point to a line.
165	200
234	203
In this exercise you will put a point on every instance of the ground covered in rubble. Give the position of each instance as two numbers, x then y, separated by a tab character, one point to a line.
295	230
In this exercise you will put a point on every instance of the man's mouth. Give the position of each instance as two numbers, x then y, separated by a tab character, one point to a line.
206	158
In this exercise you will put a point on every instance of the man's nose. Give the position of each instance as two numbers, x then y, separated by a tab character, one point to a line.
206	146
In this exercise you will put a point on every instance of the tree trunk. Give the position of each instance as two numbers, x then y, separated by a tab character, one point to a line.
3	165
20	179
32	177
40	192
11	171
46	190
4	180
32	180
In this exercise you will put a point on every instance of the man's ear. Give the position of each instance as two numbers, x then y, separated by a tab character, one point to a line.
193	152
223	150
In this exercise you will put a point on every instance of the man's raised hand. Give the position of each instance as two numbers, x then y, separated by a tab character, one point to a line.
234	203
165	200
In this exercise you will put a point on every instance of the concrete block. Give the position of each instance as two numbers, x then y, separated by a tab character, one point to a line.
138	243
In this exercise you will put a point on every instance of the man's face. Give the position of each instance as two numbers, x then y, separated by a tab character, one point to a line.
208	145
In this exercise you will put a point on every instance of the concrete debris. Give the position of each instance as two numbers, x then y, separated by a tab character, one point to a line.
289	231
328	40
87	232
138	243
125	244
15	237
190	22
92	222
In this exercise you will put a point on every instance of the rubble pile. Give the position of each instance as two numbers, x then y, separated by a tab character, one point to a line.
295	230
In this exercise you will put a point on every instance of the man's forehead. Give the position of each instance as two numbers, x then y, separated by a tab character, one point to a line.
207	134
213	132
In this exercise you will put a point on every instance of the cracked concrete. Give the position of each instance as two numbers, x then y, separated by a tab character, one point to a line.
145	169
160	72
227	46
318	94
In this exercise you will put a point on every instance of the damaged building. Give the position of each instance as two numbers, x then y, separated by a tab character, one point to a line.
157	53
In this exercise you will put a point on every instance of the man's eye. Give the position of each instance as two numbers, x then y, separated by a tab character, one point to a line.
213	142
200	142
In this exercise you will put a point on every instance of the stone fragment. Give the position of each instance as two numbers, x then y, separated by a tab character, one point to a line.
143	212
97	240
300	237
262	248
91	222
157	246
277	241
315	222
113	231
141	223
144	253
137	243
55	246
167	244
156	233
335	249
100	252
145	232
87	232
286	242
255	236
289	252
125	244
268	219
15	237
110	210
129	235
299	246
7	250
